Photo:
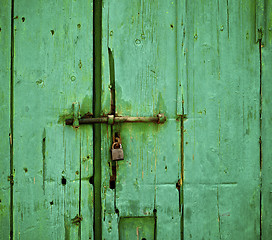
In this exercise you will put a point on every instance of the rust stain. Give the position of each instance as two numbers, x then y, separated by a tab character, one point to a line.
180	181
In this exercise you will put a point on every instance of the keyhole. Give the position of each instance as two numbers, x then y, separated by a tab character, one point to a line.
143	238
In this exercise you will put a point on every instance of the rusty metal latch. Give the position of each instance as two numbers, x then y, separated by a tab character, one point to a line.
110	119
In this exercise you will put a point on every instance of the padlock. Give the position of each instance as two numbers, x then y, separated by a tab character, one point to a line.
117	153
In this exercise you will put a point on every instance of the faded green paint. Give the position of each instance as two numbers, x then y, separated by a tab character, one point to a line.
142	44
136	228
222	128
5	61
266	72
52	162
205	175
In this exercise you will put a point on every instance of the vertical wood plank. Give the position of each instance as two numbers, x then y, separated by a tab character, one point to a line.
5	61
266	72
53	69
110	218
106	85
221	150
86	172
181	55
142	41
168	214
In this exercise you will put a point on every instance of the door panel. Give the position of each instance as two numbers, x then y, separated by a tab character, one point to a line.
52	162
140	62
221	133
110	218
5	45
266	71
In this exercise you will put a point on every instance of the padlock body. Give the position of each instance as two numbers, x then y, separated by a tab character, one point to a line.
117	154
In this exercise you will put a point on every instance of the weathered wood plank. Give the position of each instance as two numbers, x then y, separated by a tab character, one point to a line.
108	204
53	69
200	212
168	212
5	46
266	72
145	65
142	62
86	172
109	216
221	138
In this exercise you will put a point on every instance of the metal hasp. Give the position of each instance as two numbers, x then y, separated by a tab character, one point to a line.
111	119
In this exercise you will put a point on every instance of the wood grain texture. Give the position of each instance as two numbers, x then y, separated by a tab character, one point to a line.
140	39
5	61
209	60
222	129
266	71
53	162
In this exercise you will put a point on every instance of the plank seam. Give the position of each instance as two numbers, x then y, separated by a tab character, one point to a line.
80	174
260	139
97	57
11	116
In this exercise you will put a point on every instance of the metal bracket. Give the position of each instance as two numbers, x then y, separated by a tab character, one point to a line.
76	110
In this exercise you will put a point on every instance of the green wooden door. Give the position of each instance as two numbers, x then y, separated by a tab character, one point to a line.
50	67
203	174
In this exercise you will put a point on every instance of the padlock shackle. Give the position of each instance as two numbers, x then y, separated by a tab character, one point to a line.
116	143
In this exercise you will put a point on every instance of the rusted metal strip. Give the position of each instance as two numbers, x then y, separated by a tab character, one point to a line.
160	118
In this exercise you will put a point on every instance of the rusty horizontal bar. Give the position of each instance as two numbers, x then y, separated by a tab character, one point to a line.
110	119
135	119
